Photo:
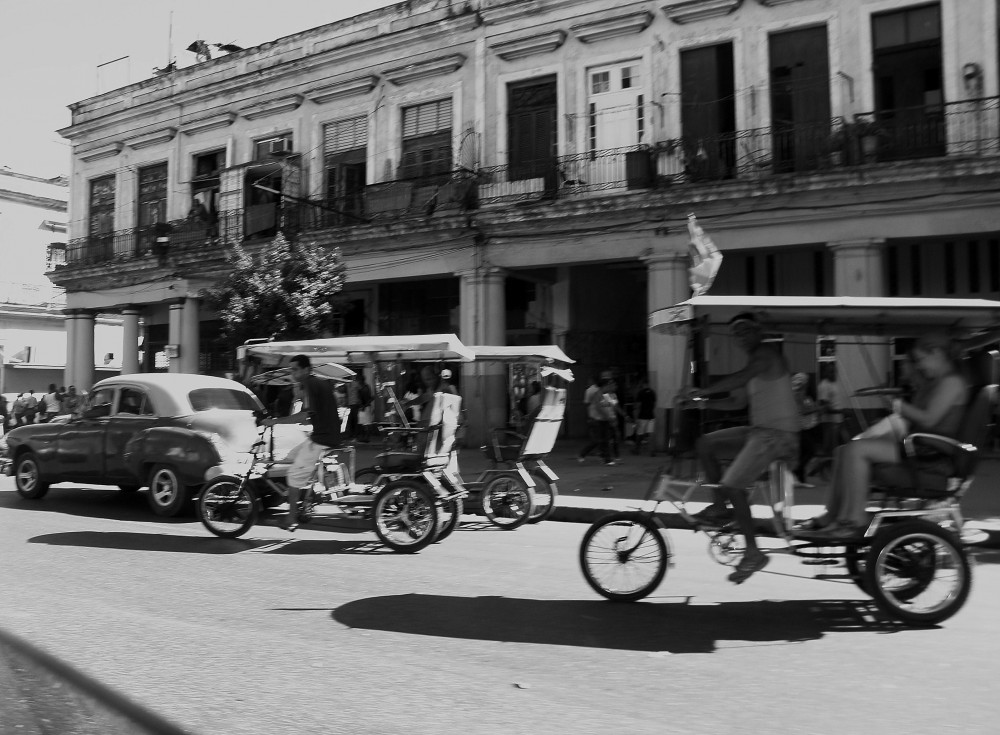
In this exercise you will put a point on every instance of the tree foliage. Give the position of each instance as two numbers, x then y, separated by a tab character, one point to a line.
289	290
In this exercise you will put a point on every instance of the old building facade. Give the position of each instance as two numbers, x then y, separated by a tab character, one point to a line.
521	171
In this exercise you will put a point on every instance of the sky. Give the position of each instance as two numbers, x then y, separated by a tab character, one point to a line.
55	52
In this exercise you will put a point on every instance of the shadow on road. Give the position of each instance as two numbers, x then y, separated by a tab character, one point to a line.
105	502
671	627
205	545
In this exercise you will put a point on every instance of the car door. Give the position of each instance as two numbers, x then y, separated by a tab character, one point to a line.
133	413
80	447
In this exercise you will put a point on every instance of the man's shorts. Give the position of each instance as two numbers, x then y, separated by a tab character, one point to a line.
304	457
760	447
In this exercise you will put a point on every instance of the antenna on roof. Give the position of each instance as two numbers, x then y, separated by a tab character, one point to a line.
159	71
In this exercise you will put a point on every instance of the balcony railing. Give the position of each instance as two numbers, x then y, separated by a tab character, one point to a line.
960	129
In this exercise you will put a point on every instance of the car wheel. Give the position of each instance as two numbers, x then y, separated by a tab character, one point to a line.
167	494
27	477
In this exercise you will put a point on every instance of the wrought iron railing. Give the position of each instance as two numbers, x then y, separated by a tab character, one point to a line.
959	129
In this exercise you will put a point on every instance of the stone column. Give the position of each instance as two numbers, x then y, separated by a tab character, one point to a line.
483	322
858	270
174	330
668	357
69	374
190	336
83	351
130	340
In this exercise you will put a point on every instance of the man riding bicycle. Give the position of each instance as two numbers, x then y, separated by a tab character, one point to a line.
319	407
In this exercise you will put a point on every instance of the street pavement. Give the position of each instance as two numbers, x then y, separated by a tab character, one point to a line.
590	489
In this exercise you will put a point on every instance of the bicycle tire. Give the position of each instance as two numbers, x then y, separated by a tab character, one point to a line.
625	546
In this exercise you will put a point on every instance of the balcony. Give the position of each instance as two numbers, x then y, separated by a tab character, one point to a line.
968	130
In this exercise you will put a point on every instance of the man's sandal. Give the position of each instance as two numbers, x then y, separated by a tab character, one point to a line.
747	567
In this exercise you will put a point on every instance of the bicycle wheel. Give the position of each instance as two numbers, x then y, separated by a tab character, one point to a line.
545	493
227	508
406	516
507	501
451	514
917	572
624	556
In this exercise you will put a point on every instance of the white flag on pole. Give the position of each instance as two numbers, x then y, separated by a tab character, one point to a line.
705	257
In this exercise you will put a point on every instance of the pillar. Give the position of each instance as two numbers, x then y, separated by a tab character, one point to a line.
130	340
83	351
483	322
190	336
174	328
69	374
858	270
668	359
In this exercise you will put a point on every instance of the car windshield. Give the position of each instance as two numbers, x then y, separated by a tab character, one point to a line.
205	399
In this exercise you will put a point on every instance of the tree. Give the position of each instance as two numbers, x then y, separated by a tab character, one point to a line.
289	290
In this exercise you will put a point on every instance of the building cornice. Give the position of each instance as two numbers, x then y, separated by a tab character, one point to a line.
145	141
518	48
689	11
771	3
289	103
424	69
496	12
212	122
100	152
619	25
339	90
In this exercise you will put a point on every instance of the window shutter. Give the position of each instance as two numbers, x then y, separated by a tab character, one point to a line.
426	119
345	135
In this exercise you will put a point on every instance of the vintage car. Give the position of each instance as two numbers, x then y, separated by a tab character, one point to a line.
161	430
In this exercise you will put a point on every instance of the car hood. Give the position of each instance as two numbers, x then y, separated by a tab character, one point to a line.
238	429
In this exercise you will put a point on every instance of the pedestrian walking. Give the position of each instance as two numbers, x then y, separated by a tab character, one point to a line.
49	406
601	418
30	407
17	410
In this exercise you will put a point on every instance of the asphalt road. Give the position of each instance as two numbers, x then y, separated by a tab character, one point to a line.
488	632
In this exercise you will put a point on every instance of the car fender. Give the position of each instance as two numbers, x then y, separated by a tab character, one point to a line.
183	449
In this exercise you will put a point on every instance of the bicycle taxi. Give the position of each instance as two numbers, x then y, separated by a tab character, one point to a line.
912	556
415	501
509	501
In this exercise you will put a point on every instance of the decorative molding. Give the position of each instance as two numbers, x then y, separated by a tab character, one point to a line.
105	151
496	12
424	69
145	141
518	48
686	11
348	88
194	127
770	3
622	25
273	107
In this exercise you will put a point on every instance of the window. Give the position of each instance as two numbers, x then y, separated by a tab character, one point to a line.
345	156
206	399
708	111
427	140
102	206
531	130
133	402
151	199
101	400
630	77
205	183
600	82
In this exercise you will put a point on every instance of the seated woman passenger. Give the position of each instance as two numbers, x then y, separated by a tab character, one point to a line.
937	409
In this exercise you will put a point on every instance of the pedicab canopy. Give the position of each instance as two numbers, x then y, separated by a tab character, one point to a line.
283	376
550	358
973	321
361	350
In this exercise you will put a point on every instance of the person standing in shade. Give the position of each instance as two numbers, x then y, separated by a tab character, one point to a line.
601	417
50	404
645	416
30	407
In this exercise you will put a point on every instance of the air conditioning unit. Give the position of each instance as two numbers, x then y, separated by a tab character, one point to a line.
279	147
